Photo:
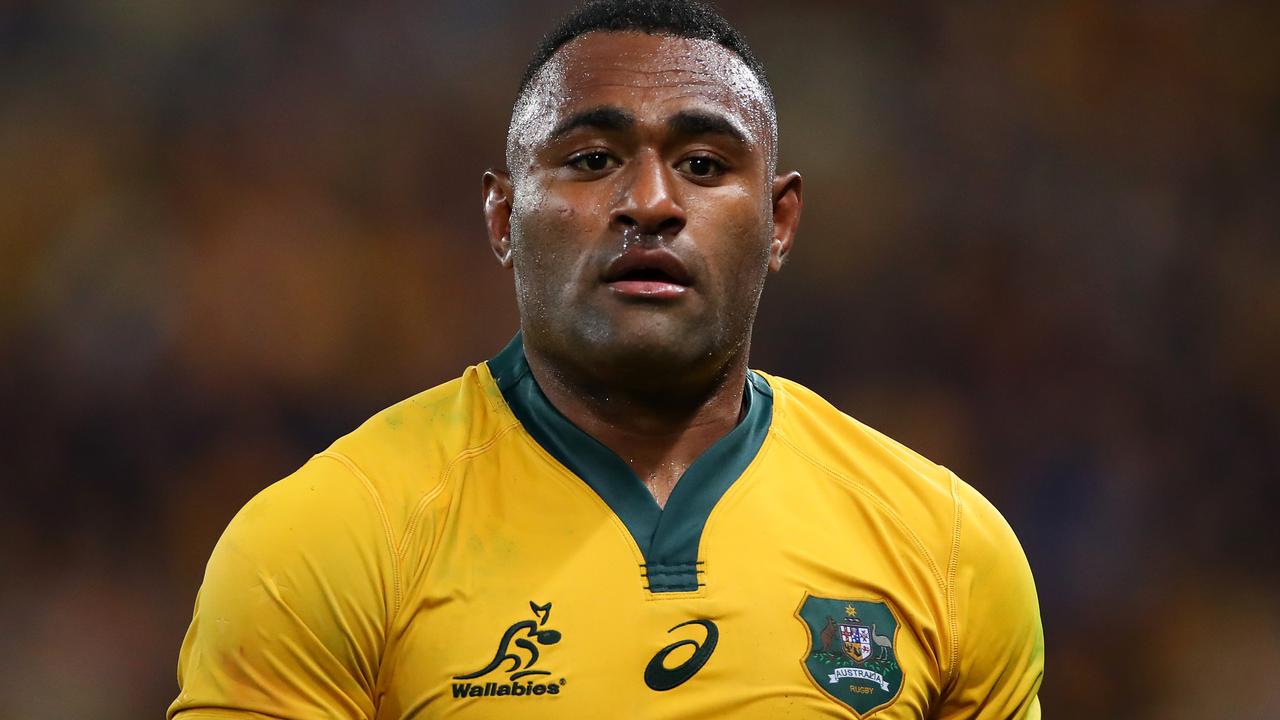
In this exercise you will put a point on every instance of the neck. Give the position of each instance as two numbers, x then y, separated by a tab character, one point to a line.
658	433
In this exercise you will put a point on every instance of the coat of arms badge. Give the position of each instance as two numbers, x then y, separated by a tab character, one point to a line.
851	655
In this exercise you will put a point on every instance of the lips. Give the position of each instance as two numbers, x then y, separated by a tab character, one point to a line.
648	273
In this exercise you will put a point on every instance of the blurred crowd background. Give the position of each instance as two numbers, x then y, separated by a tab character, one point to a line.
1041	245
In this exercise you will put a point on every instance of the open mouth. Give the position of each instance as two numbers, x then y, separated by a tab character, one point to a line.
649	274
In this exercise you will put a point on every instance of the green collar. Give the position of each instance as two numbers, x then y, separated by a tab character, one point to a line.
668	538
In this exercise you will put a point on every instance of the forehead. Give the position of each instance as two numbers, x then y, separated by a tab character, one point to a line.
646	74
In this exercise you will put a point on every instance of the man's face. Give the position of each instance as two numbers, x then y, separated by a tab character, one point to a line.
641	202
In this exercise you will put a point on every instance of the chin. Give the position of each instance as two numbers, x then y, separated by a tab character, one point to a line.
658	348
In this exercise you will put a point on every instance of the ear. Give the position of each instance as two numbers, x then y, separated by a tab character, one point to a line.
788	200
497	214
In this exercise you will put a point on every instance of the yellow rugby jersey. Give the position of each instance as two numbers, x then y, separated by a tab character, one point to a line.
469	553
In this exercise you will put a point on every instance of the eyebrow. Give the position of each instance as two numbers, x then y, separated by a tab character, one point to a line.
702	122
601	118
685	122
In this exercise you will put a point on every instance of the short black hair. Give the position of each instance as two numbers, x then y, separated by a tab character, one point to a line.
677	18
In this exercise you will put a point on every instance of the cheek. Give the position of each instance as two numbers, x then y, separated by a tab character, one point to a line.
741	231
547	231
551	212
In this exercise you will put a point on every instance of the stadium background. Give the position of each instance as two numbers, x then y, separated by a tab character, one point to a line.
1040	245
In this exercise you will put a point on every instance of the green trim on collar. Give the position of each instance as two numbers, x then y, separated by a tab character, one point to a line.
668	538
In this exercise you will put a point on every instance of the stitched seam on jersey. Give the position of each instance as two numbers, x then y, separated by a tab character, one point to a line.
221	714
952	568
888	511
749	475
431	494
350	465
497	404
566	476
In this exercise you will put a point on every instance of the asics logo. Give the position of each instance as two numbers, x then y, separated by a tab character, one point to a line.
660	677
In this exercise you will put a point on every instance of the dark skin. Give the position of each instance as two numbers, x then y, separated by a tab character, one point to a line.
641	216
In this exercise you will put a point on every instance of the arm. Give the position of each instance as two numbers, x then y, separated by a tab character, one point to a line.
998	657
291	618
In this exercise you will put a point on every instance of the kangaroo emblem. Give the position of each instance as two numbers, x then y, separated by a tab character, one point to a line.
524	666
828	634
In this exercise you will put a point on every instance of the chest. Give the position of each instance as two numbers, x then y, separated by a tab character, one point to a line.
538	603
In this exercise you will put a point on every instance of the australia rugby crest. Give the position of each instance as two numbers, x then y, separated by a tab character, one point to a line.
851	655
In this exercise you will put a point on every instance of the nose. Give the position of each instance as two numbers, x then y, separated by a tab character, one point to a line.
650	202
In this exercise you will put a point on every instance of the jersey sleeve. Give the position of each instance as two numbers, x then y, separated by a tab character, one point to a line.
999	644
290	619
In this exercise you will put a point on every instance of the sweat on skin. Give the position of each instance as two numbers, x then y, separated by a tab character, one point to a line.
624	139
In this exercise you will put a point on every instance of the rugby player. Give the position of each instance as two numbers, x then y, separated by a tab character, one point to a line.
614	516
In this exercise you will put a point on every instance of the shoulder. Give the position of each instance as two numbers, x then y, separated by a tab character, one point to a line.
431	424
973	552
314	525
934	506
361	495
404	452
368	492
920	493
304	569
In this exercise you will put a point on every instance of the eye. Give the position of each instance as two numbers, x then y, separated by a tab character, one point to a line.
700	166
594	161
